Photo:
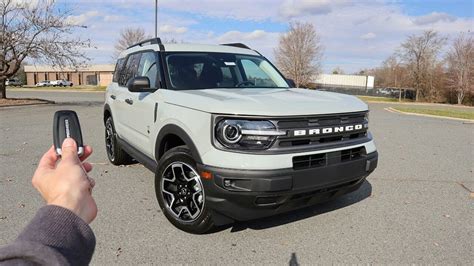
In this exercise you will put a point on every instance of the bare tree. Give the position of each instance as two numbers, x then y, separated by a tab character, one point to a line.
37	30
299	53
420	54
460	61
393	74
128	37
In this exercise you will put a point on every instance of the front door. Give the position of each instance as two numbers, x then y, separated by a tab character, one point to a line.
143	106
123	106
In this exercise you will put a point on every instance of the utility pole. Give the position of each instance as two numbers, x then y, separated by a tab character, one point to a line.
156	18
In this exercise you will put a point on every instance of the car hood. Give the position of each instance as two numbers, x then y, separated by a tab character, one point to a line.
265	102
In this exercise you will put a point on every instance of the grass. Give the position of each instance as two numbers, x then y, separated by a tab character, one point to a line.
380	99
73	88
451	112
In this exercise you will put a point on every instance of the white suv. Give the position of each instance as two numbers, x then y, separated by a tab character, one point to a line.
226	135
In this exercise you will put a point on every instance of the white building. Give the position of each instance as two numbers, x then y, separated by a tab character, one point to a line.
336	81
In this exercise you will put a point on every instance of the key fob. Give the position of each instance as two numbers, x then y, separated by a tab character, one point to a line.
66	125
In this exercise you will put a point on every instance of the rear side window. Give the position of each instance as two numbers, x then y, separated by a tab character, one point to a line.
130	69
118	68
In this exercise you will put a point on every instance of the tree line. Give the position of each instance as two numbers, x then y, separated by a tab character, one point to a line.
419	64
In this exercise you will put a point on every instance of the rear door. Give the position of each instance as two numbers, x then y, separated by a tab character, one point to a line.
113	90
122	98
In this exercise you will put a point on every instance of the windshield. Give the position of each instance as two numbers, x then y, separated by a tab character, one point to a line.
221	70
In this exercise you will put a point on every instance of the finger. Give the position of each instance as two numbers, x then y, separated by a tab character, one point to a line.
87	166
69	150
87	152
49	159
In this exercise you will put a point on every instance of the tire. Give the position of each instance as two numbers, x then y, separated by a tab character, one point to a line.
116	155
188	195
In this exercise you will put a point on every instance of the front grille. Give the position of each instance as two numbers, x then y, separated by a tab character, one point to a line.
316	124
328	158
309	161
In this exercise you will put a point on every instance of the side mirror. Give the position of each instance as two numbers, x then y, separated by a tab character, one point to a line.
291	83
139	84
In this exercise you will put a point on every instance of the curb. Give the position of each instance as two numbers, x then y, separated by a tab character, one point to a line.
390	109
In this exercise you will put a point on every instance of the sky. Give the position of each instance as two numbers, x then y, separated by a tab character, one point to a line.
355	34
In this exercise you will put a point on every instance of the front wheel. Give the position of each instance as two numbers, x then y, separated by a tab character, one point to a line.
116	155
180	192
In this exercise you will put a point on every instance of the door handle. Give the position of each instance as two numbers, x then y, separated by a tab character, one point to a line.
129	101
113	97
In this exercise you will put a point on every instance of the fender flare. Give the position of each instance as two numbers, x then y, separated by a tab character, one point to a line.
178	131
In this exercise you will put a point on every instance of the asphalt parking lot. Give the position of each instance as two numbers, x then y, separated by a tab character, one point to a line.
415	208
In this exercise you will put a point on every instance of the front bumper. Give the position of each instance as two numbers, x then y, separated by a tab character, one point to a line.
235	194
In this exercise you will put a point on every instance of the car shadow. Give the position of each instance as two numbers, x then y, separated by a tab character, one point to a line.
281	219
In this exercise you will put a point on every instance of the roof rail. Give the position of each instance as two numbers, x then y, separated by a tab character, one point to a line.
237	44
149	41
241	45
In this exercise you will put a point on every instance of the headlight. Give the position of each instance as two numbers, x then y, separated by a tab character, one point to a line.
246	134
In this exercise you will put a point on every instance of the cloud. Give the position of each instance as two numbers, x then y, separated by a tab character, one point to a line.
368	36
113	18
238	36
433	18
295	8
83	18
172	29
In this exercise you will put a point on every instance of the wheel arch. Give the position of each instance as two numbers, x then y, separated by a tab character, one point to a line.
171	132
107	112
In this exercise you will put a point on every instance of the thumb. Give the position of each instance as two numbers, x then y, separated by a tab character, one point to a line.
69	150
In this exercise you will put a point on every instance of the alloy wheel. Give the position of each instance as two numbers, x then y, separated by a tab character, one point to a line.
182	191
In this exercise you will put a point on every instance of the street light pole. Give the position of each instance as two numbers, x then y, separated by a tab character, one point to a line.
156	18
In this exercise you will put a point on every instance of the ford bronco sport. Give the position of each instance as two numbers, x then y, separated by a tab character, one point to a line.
227	136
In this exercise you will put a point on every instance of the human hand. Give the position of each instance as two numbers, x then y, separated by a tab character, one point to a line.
63	181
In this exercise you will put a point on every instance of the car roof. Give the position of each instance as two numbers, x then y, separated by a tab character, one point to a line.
188	47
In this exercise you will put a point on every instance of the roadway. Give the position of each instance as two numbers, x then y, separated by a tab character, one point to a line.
415	208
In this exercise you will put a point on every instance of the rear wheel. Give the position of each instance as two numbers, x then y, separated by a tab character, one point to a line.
180	192
116	155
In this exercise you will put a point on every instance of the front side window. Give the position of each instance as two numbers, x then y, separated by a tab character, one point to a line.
221	70
148	68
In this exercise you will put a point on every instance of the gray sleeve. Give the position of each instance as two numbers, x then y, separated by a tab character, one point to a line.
55	236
